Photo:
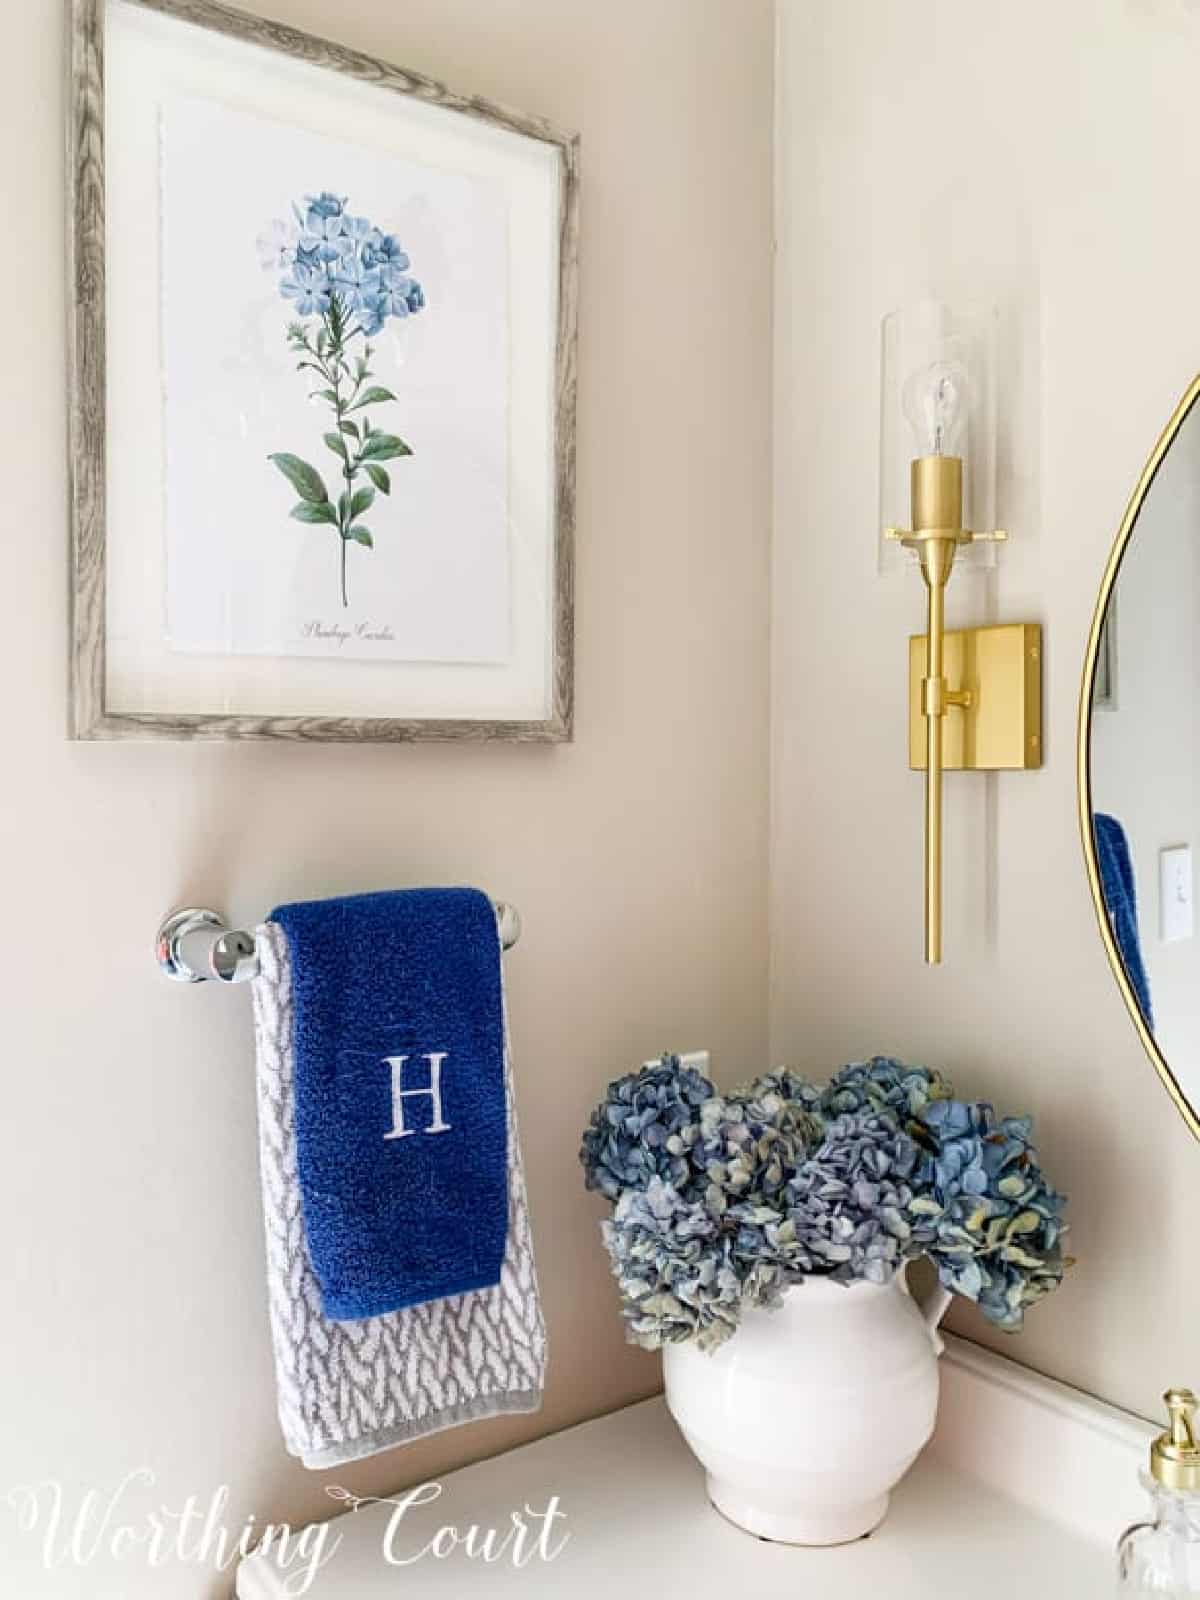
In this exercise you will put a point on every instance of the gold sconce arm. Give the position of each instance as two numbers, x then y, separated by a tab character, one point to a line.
936	556
934	701
1003	699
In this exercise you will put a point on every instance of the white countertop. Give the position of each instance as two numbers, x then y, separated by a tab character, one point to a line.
634	1506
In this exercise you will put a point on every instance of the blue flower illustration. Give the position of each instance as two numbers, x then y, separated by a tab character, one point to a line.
359	237
350	276
355	284
393	295
310	289
325	204
324	238
385	251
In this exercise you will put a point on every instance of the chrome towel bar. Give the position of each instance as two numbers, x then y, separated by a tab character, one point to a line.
194	944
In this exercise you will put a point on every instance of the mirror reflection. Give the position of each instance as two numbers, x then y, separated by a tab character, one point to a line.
1144	753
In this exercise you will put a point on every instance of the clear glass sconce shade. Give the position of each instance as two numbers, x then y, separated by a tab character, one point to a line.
938	379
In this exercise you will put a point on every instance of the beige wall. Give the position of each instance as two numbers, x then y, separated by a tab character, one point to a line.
1042	155
135	1326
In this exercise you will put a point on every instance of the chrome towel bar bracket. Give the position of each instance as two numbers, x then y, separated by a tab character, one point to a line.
195	944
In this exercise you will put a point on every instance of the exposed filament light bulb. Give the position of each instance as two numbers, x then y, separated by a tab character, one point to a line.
935	403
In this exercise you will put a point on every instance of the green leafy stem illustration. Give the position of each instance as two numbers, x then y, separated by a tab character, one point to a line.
360	448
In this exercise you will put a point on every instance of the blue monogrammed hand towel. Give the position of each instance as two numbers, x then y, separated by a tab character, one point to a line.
400	1106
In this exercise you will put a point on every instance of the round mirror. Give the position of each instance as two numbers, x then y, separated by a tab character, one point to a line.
1139	756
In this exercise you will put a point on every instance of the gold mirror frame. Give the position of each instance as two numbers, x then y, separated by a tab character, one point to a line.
1111	571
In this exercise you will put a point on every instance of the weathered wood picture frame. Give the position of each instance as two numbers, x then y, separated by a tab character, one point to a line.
97	523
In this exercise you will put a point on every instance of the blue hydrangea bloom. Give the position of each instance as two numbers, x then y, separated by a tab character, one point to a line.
984	1212
644	1128
882	1083
722	1202
849	1202
748	1145
675	1269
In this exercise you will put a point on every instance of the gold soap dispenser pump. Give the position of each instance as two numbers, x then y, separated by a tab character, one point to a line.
1162	1556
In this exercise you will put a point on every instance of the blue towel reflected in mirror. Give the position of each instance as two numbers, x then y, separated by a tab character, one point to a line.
1120	897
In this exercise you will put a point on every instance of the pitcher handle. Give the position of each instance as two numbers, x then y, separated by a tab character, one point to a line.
932	1311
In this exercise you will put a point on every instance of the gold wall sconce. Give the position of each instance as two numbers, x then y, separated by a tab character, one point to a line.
975	695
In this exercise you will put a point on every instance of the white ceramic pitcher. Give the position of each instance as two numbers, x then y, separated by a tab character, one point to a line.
808	1416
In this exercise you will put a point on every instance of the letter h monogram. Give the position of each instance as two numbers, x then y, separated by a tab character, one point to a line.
400	1094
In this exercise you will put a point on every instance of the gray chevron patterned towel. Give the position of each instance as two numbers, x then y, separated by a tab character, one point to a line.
350	1389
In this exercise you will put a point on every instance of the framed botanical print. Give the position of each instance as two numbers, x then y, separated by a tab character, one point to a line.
323	391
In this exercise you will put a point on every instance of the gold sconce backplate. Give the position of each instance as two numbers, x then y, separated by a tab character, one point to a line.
994	715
